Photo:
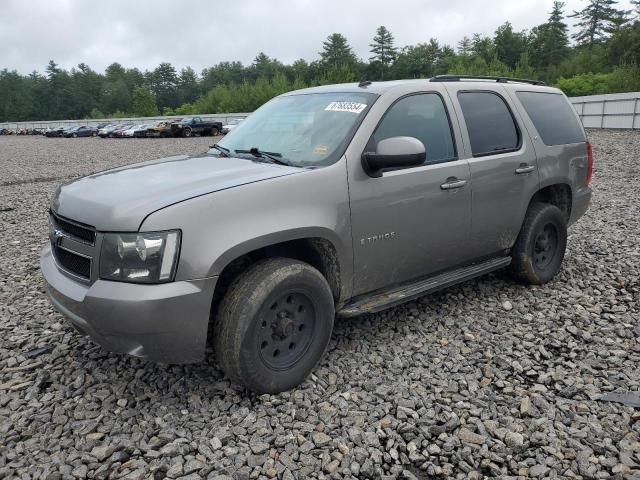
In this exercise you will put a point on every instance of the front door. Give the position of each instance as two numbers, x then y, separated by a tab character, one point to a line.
413	222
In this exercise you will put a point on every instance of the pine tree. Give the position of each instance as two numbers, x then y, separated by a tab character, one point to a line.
597	20
550	41
384	52
464	46
336	52
52	69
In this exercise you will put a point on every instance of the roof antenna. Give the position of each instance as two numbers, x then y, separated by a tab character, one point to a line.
364	83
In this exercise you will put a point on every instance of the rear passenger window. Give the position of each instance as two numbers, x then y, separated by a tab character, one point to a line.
423	117
553	117
490	124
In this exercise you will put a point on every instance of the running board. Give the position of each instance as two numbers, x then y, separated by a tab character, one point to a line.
404	293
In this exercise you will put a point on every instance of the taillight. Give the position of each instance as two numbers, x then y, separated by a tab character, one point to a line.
589	164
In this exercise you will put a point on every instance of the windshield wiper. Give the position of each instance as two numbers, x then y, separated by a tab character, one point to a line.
223	150
272	157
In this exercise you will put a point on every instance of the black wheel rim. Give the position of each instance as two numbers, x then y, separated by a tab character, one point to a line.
545	246
285	330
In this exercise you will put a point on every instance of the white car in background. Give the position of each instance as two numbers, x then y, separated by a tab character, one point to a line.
129	133
231	124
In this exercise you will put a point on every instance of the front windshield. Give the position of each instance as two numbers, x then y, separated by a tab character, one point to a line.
306	129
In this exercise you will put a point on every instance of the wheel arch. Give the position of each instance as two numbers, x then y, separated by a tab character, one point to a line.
315	247
317	250
558	194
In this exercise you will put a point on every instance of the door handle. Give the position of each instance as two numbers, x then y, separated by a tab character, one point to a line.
525	169
450	185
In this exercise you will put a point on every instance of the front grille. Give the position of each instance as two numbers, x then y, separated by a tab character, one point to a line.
81	233
72	262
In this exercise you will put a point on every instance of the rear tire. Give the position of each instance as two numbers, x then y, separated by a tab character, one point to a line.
215	132
539	250
274	325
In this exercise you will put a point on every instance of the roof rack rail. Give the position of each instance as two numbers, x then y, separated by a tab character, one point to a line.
457	78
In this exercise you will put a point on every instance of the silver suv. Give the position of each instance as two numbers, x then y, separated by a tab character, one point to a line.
341	199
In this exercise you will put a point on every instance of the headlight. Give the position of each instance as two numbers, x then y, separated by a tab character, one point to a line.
148	257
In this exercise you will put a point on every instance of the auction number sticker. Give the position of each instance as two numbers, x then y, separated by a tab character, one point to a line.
352	107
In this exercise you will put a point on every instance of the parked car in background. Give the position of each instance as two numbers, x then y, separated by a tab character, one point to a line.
6	131
83	131
120	129
110	130
161	129
190	126
58	131
231	125
141	130
128	133
104	132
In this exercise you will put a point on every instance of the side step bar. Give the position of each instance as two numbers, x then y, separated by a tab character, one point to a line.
404	293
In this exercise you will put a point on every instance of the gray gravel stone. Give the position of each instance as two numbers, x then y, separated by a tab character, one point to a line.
514	439
320	439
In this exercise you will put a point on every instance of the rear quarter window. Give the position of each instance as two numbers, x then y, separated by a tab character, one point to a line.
553	117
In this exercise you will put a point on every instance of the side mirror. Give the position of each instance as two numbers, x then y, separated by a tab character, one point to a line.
394	153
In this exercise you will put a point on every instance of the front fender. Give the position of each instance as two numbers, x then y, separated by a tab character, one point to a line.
220	227
273	238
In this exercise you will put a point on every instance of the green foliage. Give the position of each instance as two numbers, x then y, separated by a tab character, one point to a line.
605	60
510	45
583	84
383	49
336	52
95	113
597	20
144	102
621	79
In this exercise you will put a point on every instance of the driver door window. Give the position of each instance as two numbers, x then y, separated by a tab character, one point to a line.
422	116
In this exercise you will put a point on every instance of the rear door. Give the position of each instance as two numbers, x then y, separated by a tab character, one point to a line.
502	162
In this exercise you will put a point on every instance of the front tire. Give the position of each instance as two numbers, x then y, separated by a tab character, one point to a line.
539	250
274	325
186	132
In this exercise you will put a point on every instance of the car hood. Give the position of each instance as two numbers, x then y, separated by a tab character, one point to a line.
120	199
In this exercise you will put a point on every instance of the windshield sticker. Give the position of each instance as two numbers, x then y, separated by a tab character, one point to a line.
320	149
352	107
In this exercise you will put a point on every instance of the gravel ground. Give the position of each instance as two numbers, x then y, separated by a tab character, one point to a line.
487	379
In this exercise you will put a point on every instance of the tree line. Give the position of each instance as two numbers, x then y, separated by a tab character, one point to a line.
603	56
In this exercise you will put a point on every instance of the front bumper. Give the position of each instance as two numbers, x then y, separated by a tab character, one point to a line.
163	323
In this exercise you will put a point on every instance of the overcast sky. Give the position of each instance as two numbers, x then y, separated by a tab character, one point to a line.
202	33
